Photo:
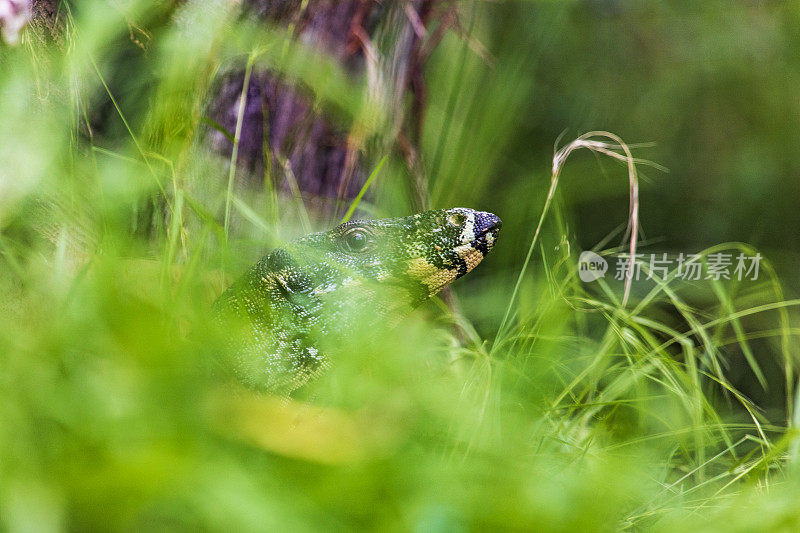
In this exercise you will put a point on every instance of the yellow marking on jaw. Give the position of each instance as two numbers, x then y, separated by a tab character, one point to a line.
469	255
420	268
431	275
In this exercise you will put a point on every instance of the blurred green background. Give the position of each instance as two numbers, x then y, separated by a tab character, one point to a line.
711	85
543	404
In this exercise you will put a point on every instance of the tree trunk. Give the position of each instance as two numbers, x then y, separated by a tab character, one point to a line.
283	132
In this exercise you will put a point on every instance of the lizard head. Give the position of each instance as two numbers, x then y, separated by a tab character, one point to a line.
359	275
422	253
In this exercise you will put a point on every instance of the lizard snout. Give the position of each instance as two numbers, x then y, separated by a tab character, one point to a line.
486	222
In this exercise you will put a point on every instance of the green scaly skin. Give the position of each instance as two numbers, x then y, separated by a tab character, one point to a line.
359	273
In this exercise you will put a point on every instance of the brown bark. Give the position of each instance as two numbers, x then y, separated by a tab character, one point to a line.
324	159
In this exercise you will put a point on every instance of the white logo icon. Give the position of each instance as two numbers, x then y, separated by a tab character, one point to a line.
591	266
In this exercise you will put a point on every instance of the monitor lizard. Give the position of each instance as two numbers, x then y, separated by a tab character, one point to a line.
320	286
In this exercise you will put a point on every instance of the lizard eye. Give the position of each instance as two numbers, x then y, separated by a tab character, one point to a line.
456	219
356	240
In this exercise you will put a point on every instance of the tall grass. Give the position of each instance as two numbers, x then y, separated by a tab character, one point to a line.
546	403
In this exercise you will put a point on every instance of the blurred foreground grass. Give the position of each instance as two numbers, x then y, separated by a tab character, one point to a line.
116	412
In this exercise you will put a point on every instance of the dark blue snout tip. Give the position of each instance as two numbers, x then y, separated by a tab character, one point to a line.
486	222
